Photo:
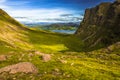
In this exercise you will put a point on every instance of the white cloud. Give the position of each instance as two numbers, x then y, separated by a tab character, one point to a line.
41	15
35	15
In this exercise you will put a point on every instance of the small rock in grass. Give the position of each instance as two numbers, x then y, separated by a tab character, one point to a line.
56	69
45	72
68	76
63	61
3	57
30	54
39	53
46	57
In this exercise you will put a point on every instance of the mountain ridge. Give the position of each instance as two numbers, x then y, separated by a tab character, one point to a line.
100	25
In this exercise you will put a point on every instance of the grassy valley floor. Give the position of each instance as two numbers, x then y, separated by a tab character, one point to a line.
68	61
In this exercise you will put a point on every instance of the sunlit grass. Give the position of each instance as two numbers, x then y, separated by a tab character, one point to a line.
56	48
79	66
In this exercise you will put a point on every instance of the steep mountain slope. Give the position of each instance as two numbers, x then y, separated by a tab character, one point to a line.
101	25
12	33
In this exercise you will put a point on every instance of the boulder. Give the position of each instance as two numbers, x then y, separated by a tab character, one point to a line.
23	67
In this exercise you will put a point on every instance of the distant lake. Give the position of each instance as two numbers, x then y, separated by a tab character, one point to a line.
64	31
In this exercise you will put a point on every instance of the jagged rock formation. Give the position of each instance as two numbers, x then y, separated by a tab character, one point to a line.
101	24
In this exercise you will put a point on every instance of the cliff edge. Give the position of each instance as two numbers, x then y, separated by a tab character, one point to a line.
101	25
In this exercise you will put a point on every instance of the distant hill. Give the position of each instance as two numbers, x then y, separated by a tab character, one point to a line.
55	26
63	26
101	25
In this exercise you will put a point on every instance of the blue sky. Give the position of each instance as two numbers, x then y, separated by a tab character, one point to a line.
48	10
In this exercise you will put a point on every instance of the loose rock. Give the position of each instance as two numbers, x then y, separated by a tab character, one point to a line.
46	57
39	53
56	69
30	55
3	57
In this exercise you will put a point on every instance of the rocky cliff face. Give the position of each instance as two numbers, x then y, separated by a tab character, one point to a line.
101	24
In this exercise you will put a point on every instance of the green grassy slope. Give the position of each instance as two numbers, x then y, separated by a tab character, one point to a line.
12	33
19	42
54	42
96	65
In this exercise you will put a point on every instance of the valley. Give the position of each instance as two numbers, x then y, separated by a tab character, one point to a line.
28	53
68	28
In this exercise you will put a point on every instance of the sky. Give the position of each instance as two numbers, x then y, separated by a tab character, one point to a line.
35	11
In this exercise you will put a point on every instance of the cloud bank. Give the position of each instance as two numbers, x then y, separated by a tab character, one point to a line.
24	13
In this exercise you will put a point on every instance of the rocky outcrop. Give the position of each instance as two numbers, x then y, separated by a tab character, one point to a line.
23	67
101	24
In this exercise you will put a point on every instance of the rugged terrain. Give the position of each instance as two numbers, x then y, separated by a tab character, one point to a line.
28	54
101	25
